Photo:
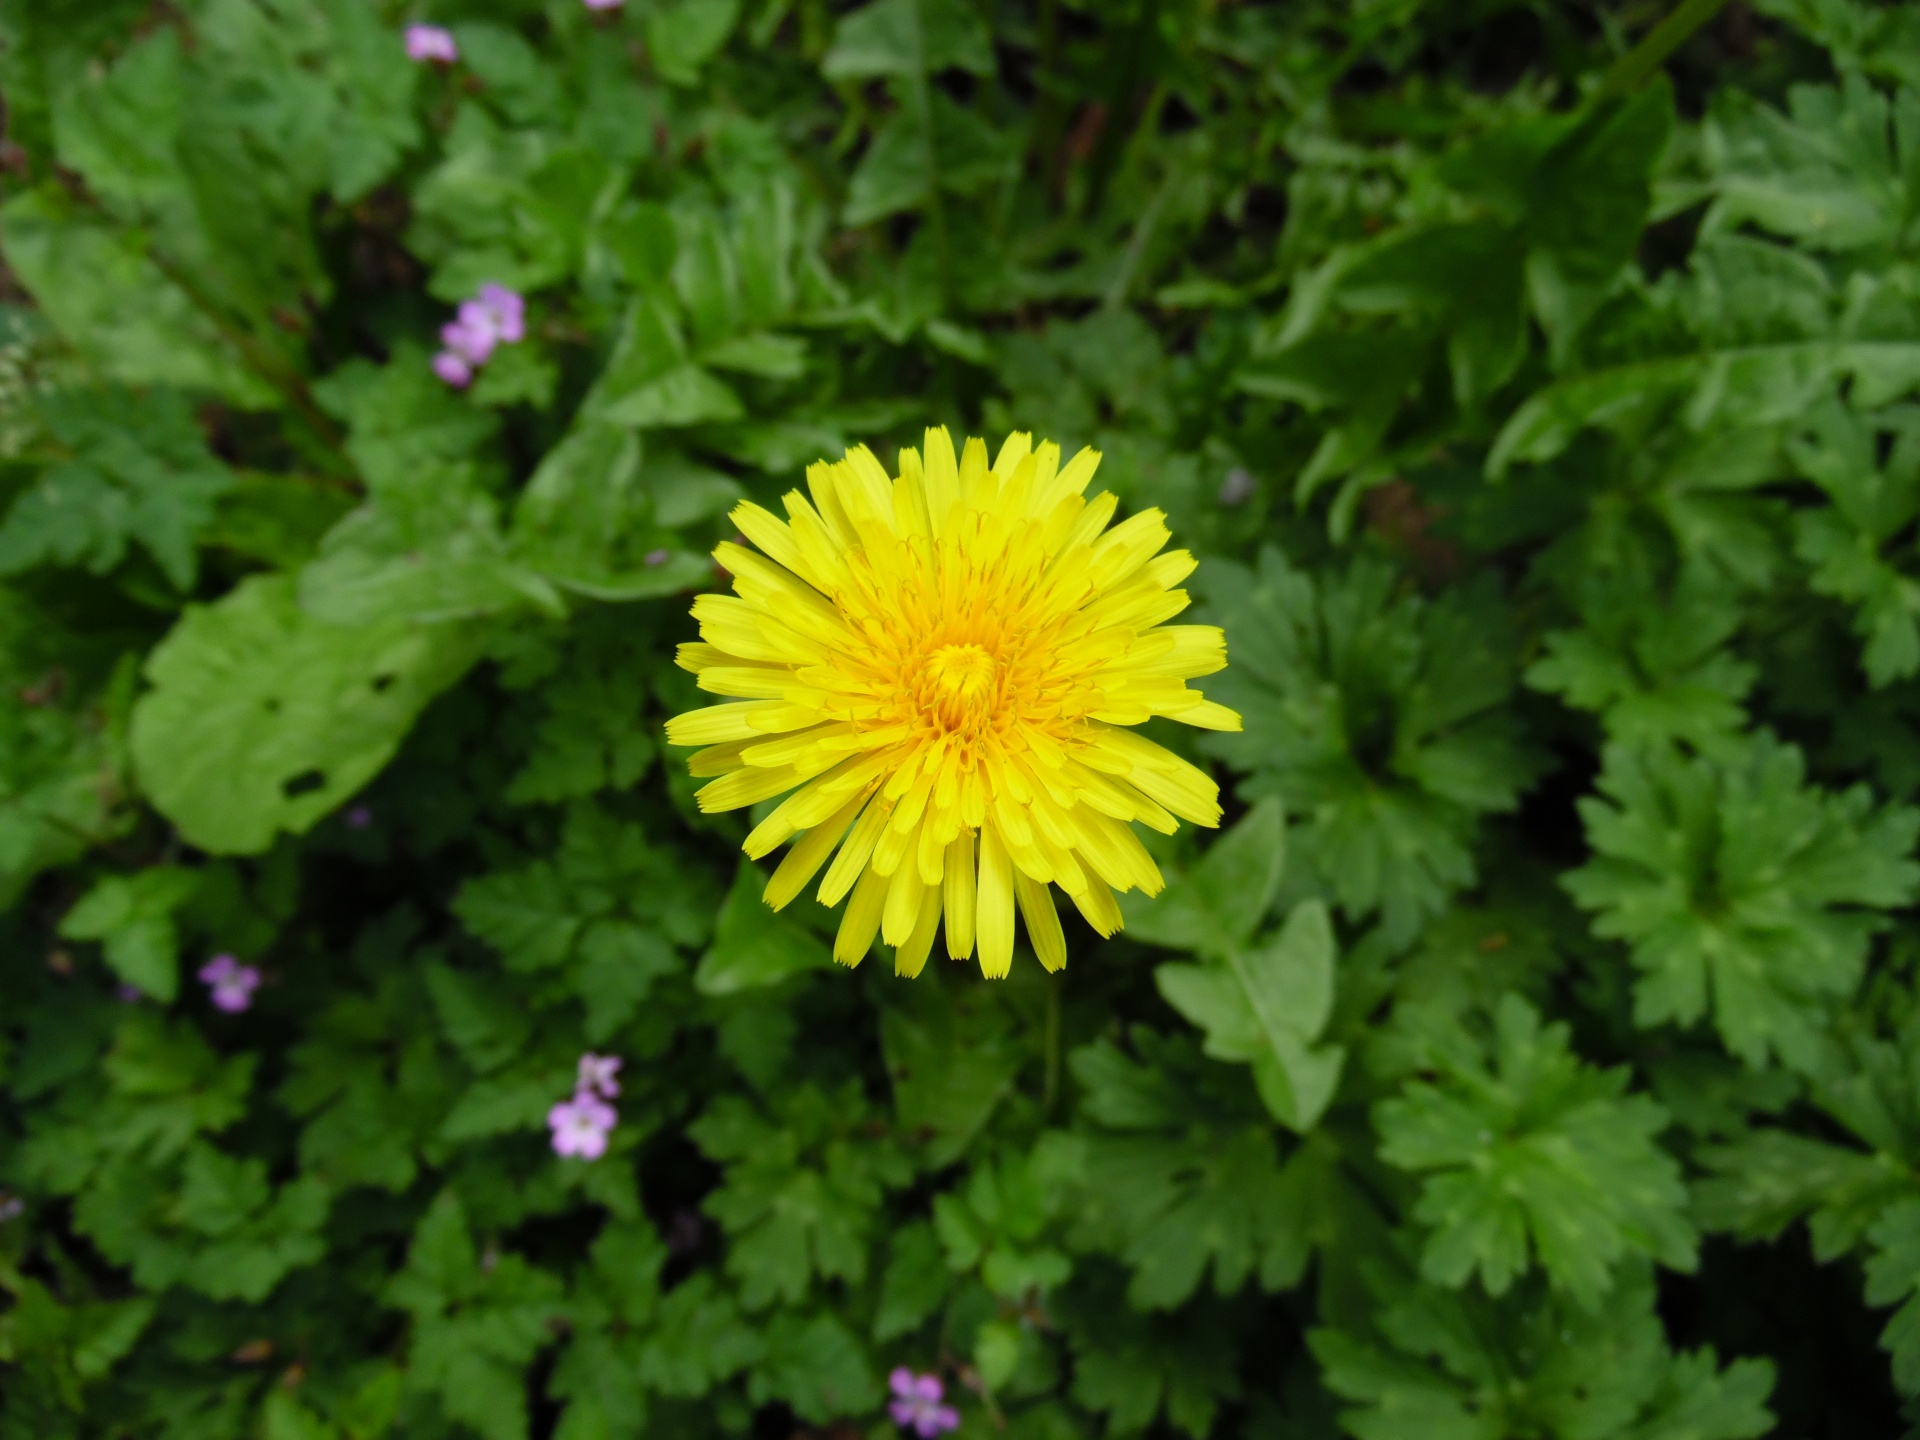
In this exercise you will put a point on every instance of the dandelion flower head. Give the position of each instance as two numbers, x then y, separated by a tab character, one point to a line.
942	667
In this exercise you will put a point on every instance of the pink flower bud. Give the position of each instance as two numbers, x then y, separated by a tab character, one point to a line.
431	43
229	983
452	369
916	1405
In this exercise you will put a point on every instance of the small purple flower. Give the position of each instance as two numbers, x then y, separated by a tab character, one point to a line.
11	1208
505	310
604	4
452	369
493	317
129	994
230	983
916	1404
360	817
597	1074
656	558
431	42
471	337
580	1126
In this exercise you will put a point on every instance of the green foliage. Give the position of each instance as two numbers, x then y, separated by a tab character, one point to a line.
1528	1152
1728	878
1379	719
1544	426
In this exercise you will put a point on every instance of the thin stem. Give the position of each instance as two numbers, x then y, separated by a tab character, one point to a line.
1632	69
936	202
291	385
1051	1089
1137	243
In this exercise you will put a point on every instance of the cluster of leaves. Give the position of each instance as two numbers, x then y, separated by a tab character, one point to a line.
1536	1052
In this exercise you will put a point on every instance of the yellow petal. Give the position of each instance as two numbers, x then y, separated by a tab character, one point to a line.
807	856
911	958
862	920
960	899
994	926
1043	923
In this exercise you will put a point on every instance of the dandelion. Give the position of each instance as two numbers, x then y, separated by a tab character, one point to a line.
596	1075
431	43
916	1404
945	664
229	983
580	1126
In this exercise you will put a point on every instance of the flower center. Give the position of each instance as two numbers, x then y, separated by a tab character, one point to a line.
959	686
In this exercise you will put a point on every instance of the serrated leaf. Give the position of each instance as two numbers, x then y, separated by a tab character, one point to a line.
1534	1155
1736	883
134	916
1380	721
138	471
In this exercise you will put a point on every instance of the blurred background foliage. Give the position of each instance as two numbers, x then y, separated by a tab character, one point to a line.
1536	1054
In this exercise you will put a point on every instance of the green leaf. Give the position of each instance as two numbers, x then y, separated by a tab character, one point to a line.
649	382
1835	173
1380	719
1000	1225
583	522
1528	1151
138	470
1266	1004
1736	385
942	146
754	946
428	546
1216	905
801	1192
476	1325
1183	1178
909	37
109	300
683	36
817	1366
1765	1180
1459	1367
915	1282
1132	1367
263	719
588	740
1734	881
1893	1278
401	420
953	1056
480	1015
134	916
1656	667
1873	501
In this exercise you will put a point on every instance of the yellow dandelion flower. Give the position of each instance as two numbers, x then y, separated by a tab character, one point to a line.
944	664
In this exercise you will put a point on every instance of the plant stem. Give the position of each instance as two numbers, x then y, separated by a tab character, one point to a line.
1050	1091
1632	69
